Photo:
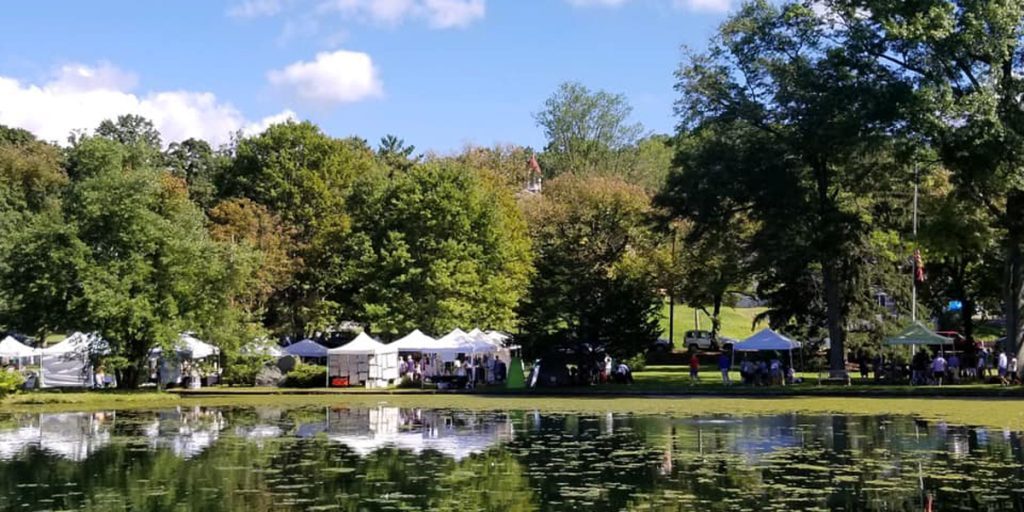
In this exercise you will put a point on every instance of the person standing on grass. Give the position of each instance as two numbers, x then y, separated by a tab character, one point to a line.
938	368
1003	362
1011	371
724	365
954	368
982	365
694	368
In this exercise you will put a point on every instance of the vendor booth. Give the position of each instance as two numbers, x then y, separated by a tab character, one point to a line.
188	349
17	352
918	334
307	350
68	364
362	361
767	340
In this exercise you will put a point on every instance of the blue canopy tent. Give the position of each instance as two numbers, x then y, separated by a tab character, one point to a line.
306	349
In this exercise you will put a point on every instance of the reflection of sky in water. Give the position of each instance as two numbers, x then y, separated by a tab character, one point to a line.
596	462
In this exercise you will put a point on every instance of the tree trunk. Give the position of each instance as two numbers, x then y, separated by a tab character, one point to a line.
716	319
836	334
1014	275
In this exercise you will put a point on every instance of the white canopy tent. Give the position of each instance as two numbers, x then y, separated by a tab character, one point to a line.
13	349
262	346
767	340
188	347
415	341
68	364
363	360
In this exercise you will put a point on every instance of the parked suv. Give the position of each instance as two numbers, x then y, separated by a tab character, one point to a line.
700	339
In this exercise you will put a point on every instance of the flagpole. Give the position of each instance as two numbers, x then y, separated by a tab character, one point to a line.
913	281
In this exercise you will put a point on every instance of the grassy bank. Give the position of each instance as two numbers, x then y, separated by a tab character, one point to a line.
737	323
995	413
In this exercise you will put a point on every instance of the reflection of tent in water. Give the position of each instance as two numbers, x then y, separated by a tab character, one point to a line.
186	432
457	436
71	436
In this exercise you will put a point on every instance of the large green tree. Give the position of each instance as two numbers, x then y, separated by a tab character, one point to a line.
964	60
587	131
596	282
815	147
302	176
127	256
435	247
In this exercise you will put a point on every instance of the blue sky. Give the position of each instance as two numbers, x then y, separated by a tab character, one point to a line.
438	73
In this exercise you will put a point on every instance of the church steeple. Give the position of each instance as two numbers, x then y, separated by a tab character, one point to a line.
534	181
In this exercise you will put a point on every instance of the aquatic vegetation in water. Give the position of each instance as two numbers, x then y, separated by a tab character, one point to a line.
389	458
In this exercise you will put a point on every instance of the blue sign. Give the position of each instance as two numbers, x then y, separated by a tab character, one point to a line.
954	305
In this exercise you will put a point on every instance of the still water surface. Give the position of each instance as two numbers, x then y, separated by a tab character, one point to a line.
386	458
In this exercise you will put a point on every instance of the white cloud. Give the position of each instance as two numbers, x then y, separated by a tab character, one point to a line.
79	97
597	3
715	6
454	13
332	77
256	8
438	14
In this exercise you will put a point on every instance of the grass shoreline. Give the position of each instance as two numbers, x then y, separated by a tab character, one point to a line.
992	411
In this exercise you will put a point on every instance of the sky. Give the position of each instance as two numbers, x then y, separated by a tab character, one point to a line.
439	74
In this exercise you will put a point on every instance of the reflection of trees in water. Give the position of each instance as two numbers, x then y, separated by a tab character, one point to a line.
585	462
554	462
852	463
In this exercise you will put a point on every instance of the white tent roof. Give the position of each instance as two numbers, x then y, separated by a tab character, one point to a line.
306	348
198	348
192	347
262	347
415	341
10	347
363	344
78	342
766	339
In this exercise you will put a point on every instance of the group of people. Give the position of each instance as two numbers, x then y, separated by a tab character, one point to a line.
941	367
468	371
760	371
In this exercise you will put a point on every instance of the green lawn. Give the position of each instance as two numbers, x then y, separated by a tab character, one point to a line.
999	412
737	323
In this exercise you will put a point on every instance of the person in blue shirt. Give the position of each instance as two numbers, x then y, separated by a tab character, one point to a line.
724	365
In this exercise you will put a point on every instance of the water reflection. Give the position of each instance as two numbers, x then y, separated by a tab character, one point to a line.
386	458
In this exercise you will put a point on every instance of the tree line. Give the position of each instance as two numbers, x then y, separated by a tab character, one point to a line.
803	131
294	233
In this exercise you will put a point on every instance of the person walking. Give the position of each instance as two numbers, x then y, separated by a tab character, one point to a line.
724	365
694	368
1011	371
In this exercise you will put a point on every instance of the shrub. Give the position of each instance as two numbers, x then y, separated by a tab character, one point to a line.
10	382
241	370
306	376
637	363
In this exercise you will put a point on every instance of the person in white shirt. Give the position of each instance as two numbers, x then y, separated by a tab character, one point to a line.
938	368
1003	363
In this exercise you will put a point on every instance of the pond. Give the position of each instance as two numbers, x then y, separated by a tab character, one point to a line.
389	458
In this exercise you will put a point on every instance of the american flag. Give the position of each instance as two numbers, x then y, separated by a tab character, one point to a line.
918	267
